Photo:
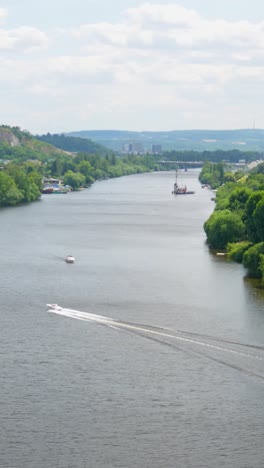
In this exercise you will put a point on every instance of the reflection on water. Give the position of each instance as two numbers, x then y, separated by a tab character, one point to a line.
256	287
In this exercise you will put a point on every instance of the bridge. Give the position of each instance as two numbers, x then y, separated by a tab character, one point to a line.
183	164
186	164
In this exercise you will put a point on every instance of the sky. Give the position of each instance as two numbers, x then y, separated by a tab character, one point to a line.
69	65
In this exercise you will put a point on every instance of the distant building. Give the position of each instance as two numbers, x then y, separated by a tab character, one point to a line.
127	148
133	148
156	149
137	148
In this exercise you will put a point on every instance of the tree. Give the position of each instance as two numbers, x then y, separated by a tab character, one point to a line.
36	178
252	260
236	250
261	266
13	196
258	218
212	174
229	177
26	184
113	160
249	217
238	199
222	195
85	168
9	193
74	179
223	227
98	174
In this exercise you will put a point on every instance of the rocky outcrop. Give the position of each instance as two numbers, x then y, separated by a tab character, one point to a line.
7	136
20	144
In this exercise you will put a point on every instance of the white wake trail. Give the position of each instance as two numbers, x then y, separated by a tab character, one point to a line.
116	324
78	315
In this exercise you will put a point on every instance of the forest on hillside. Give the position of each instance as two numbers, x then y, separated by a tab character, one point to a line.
230	156
74	144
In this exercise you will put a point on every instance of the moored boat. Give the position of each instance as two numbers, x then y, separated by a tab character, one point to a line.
47	190
181	190
55	186
60	190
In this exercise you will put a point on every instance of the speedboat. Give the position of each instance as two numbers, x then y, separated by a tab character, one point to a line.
54	306
69	259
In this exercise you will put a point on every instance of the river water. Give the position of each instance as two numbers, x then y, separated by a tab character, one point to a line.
172	377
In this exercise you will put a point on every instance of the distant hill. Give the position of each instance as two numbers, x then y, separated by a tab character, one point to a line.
17	144
200	140
74	144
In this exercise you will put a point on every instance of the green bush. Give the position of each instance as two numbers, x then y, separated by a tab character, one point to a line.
261	266
252	260
235	251
223	227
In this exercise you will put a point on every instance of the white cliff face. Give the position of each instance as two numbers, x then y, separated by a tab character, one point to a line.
8	137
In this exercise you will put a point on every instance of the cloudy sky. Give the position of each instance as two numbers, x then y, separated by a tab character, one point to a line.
132	65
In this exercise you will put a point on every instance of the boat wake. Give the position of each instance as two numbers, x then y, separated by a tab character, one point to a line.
244	357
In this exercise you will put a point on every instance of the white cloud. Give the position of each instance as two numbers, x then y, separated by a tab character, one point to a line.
169	15
163	43
3	13
157	56
23	38
30	38
171	27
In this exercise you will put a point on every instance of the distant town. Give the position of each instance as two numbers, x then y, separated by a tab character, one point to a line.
138	148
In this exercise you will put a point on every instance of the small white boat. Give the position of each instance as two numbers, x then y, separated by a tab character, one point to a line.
54	307
69	259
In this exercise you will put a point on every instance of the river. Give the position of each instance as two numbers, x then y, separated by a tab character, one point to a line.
172	377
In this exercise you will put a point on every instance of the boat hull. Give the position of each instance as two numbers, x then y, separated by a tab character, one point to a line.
69	259
47	190
189	192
